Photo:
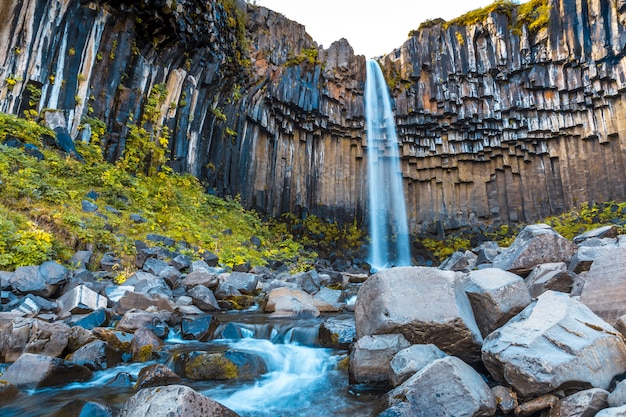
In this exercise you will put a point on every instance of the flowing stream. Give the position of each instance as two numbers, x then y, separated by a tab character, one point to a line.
299	377
389	230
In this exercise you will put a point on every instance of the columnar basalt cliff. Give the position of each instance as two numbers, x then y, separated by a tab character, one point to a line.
497	124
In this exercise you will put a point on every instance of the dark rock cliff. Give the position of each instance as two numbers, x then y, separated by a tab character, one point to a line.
495	126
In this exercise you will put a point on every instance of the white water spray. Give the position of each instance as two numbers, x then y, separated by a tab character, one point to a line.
389	230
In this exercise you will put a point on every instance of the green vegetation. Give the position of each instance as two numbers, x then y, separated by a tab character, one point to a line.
41	216
307	55
568	225
237	22
534	14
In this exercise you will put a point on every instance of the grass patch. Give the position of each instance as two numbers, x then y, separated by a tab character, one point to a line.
41	215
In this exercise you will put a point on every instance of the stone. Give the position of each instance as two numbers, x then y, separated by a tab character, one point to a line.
131	300
81	259
426	305
200	277
370	357
505	398
586	403
617	397
337	333
608	231
330	296
176	400
83	408
244	282
43	280
96	355
110	262
80	299
537	404
8	392
292	307
97	318
149	284
584	257
447	387
535	244
135	319
79	337
495	296
612	412
38	371
144	345
459	261
410	360
285	294
31	335
604	291
204	298
549	276
156	375
154	266
200	329
554	342
181	262
209	366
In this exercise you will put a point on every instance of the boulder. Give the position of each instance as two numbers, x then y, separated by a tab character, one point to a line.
608	231
79	300
535	244
96	355
495	296
459	261
446	387
370	357
550	276
584	403
144	345
506	398
173	400
426	305
149	284
612	412
43	280
30	335
337	333
617	397
38	371
302	297
83	408
136	319
243	282
554	342
201	329
156	375
134	300
411	360
208	366
204	298
604	291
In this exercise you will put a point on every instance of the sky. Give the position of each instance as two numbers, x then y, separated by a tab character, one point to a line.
372	28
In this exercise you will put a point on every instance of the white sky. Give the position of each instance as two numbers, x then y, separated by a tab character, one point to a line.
372	28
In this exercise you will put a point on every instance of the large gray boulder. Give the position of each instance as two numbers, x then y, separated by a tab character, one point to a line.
536	244
43	280
38	371
370	357
173	400
612	412
446	387
80	299
426	305
554	342
96	355
495	296
604	291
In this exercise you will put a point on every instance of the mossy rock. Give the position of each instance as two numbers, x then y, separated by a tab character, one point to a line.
241	302
209	366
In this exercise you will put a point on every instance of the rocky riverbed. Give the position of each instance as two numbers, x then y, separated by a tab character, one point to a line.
533	329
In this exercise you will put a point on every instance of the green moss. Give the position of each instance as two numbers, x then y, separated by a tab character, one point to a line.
430	23
534	14
210	366
472	17
307	55
145	353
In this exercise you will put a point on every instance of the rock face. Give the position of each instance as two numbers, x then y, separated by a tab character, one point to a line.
426	305
556	342
495	123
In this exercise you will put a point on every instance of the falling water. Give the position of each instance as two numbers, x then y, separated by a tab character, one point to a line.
389	231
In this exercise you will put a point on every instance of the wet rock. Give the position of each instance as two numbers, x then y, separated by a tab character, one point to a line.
426	305
8	392
97	318
370	357
495	296
505	398
156	375
584	403
243	282
80	299
78	337
554	342
535	244
200	277
411	360
329	296
337	333
38	371
144	345
83	408
446	387
173	400
536	404
201	329
121	380
208	366
604	291
117	339
31	335
550	276
97	355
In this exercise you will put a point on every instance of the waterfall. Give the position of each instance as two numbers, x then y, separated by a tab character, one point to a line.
389	231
